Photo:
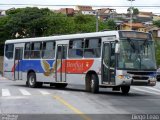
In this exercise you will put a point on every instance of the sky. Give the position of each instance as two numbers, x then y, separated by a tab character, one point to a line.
87	2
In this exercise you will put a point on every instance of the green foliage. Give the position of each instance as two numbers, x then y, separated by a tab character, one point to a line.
157	23
111	25
135	10
157	46
35	22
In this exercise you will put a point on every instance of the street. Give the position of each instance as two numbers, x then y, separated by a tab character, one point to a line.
16	98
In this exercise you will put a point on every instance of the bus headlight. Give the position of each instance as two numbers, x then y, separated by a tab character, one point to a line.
152	78
126	77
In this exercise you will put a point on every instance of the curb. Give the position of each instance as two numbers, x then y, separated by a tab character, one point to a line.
3	78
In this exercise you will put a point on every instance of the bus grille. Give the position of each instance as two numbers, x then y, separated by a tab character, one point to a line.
140	78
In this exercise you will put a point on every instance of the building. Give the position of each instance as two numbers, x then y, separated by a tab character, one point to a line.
144	16
154	30
135	26
66	11
106	13
156	17
86	10
2	12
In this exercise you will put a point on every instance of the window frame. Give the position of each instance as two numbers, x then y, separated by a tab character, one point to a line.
12	51
27	50
42	49
39	50
99	46
82	48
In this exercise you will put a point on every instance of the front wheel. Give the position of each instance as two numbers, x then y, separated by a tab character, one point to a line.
94	84
32	80
125	89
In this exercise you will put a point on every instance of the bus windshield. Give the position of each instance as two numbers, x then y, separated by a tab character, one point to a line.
136	54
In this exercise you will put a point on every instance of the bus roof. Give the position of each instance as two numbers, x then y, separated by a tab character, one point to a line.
63	37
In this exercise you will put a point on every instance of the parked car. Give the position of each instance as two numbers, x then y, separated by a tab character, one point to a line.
158	74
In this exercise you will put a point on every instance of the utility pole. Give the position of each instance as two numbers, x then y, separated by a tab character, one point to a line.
97	24
131	11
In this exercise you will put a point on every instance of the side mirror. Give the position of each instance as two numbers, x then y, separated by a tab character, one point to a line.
117	48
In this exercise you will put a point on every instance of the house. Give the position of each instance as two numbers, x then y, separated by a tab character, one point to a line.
86	10
106	13
154	30
66	11
134	26
144	16
156	17
2	12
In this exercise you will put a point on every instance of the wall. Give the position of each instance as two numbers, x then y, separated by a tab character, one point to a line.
1	64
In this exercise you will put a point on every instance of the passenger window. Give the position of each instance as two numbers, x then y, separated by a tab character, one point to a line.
92	48
27	51
76	48
48	50
9	51
36	50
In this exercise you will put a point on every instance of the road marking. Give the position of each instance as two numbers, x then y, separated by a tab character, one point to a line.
145	91
81	114
44	92
24	92
5	92
154	89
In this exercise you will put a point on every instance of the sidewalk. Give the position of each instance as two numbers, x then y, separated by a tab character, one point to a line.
2	78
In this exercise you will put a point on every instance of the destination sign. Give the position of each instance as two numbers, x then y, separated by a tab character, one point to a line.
134	34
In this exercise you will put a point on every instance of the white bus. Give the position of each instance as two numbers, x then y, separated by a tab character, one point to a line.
116	59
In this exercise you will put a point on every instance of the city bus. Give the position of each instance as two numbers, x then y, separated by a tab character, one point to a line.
115	59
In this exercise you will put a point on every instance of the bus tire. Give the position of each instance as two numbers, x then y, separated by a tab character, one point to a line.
94	84
61	85
88	83
27	83
125	89
32	80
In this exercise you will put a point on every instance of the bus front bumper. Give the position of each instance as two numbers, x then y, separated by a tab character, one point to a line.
143	82
131	81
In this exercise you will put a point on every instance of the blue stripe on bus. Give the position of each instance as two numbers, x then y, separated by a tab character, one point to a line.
32	64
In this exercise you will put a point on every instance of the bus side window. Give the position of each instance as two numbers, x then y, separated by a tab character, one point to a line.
36	50
27	51
92	48
76	48
9	51
48	50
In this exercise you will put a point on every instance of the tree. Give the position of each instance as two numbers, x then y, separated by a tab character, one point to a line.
110	24
135	10
35	22
26	22
157	23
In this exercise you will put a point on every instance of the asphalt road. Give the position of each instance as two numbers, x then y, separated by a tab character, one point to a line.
23	103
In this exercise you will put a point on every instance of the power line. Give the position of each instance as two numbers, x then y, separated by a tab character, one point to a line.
82	5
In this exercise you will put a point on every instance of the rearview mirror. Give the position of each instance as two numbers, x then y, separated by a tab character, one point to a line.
117	48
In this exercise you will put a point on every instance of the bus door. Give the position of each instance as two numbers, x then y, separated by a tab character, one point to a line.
108	63
18	63
61	63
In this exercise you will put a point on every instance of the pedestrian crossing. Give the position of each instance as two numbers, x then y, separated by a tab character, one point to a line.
8	92
22	92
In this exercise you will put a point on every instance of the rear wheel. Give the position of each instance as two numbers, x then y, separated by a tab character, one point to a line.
125	89
32	80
